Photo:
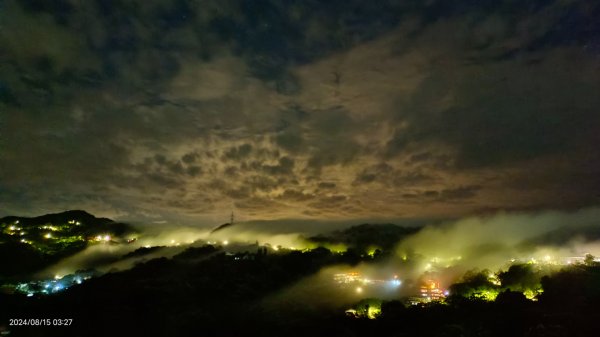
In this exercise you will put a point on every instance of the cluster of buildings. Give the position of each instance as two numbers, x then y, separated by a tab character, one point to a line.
345	278
361	283
431	291
47	287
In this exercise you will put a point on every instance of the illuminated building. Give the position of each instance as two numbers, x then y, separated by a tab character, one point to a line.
430	291
57	284
343	278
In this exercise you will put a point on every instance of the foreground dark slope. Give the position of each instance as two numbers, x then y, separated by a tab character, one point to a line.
205	292
185	295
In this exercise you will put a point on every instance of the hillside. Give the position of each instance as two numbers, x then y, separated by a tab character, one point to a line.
367	236
28	244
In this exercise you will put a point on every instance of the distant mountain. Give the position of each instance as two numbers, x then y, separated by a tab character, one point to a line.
63	217
384	236
28	244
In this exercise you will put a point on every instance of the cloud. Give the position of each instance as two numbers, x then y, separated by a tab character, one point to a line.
402	108
492	241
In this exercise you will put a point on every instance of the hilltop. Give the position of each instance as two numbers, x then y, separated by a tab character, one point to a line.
367	237
28	244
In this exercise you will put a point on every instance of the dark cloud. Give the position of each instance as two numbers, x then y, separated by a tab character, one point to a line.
456	194
526	115
194	171
294	195
326	185
385	174
238	153
284	166
329	202
261	183
459	193
354	109
190	158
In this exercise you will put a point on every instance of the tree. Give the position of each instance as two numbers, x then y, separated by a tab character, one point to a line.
589	260
519	277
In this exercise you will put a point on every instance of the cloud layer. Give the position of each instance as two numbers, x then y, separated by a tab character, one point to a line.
186	110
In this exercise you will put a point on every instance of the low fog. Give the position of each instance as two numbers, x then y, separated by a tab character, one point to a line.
439	251
493	241
445	252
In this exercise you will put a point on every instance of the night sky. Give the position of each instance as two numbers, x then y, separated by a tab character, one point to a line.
183	111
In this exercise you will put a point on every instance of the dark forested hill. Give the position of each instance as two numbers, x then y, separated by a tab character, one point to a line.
28	244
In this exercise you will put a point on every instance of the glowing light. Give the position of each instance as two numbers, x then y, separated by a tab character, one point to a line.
371	251
532	294
225	243
373	312
428	266
172	241
396	283
12	228
359	290
29	295
487	295
494	279
48	236
106	237
57	277
347	277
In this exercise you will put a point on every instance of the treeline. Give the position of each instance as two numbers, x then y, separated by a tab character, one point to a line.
207	292
568	306
218	295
